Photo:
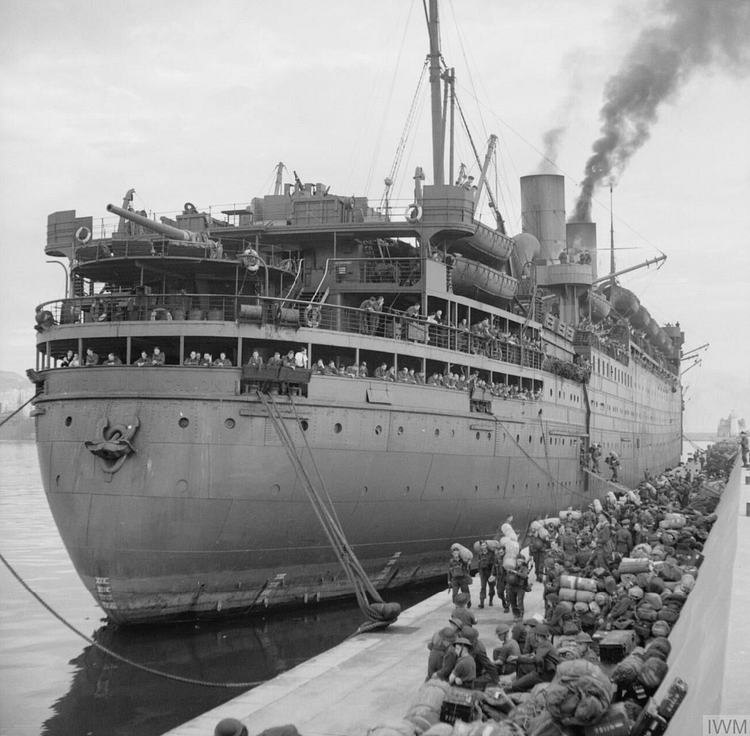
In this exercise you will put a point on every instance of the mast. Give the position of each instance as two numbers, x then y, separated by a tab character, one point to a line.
438	130
451	82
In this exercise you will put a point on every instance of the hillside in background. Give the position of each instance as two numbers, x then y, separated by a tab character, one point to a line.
10	381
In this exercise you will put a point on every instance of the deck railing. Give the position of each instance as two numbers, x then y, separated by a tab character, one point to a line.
290	314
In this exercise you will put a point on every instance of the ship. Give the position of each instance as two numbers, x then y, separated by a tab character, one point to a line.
429	373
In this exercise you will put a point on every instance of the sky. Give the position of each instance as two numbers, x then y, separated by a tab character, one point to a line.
198	102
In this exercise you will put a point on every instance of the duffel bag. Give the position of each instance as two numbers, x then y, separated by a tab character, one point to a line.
634	565
568	594
654	600
667	614
660	628
465	554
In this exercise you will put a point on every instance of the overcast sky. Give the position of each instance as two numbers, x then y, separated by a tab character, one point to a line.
196	101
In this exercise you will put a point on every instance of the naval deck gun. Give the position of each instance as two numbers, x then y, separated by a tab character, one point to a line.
161	228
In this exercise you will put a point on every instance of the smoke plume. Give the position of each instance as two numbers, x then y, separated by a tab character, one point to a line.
552	141
696	34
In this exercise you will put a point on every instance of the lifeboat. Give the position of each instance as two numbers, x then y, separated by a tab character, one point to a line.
596	305
627	304
641	320
485	245
478	281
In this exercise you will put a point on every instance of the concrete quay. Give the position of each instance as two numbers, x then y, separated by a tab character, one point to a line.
364	681
711	639
371	678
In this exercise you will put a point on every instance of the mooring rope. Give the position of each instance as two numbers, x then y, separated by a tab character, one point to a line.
119	657
381	614
8	418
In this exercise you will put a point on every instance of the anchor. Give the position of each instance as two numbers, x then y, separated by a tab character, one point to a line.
113	445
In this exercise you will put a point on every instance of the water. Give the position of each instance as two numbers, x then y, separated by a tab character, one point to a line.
52	682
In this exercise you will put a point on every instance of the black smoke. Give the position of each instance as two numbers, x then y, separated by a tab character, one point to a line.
688	35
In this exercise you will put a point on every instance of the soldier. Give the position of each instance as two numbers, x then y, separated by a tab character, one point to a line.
505	657
544	658
538	553
459	577
516	583
487	562
465	670
613	460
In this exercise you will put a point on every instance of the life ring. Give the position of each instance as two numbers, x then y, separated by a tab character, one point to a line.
312	316
160	315
413	214
83	235
250	260
189	208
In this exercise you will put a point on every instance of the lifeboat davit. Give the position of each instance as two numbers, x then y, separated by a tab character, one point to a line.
485	245
479	281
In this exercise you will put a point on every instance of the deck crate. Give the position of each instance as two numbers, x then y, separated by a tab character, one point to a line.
458	705
616	645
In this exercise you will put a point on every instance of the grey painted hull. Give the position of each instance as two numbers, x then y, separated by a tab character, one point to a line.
208	517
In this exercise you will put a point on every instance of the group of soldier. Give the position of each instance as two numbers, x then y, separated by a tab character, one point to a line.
590	544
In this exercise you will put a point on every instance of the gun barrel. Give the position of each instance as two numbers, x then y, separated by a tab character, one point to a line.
157	227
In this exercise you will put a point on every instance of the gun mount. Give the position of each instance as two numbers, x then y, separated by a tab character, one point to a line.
174	233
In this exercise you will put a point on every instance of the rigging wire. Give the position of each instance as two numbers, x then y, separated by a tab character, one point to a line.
384	118
534	462
411	116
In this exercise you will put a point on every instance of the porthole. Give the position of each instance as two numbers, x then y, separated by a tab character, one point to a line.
68	421
57	481
478	435
184	421
400	430
437	433
453	433
337	428
530	439
229	423
489	435
304	424
442	488
378	429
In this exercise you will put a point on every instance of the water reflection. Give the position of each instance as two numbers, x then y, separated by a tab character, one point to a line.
110	697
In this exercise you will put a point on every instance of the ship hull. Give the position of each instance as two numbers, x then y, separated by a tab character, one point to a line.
210	518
